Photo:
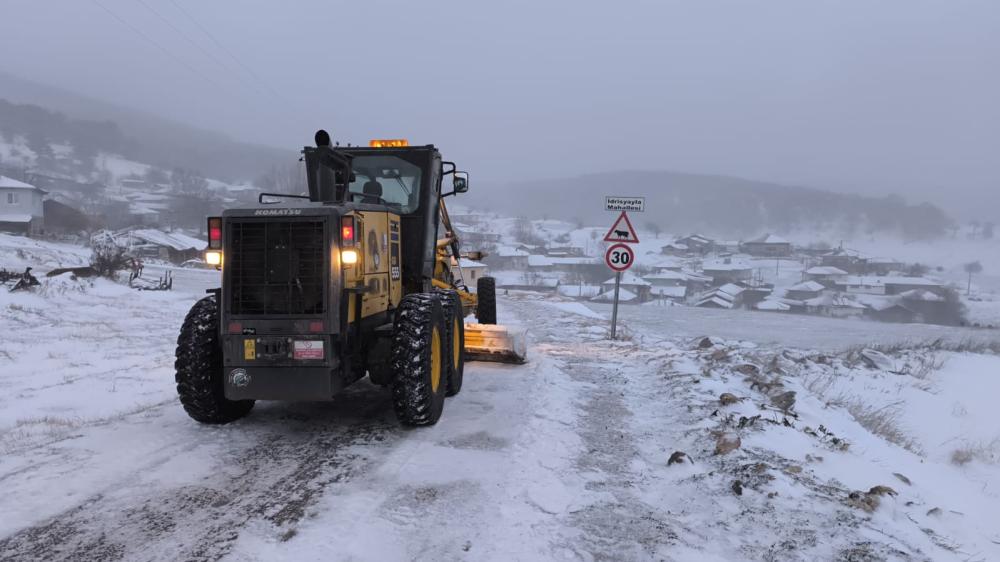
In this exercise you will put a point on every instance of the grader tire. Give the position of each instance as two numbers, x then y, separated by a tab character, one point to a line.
486	292
454	320
419	360
199	372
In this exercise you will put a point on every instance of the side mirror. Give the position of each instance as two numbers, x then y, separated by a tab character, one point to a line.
461	183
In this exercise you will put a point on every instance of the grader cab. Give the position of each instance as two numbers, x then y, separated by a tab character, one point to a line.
356	278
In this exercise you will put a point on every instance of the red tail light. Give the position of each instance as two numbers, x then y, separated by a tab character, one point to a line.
347	231
235	328
316	326
215	233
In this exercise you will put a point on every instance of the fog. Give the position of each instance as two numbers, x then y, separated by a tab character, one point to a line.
864	97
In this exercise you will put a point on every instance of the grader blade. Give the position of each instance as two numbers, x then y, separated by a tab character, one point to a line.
499	344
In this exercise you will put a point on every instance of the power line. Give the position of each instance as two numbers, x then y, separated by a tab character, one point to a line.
156	44
188	38
228	52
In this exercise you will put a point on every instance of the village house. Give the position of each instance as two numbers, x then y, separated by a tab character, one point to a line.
175	246
888	285
21	207
468	271
727	270
697	244
727	296
827	275
668	284
641	288
624	296
507	257
805	290
849	261
675	249
768	245
835	305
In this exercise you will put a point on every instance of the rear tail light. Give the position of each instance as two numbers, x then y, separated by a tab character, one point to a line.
235	328
347	231
316	326
215	233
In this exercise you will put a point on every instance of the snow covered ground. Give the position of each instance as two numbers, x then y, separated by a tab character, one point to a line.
665	446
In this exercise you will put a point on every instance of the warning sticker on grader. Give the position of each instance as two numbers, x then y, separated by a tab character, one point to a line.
307	349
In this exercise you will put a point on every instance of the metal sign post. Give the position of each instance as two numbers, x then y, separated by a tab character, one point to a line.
614	310
619	257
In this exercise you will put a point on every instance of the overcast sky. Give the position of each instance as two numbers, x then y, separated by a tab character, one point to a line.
867	96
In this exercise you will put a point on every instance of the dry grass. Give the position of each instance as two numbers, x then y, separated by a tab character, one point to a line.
984	452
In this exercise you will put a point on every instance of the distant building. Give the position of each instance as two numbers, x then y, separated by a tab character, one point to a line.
805	290
697	244
21	208
727	296
175	247
727	270
468	271
888	285
668	284
641	288
507	257
828	275
769	245
845	259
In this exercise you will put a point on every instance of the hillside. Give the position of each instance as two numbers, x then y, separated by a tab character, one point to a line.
37	110
719	205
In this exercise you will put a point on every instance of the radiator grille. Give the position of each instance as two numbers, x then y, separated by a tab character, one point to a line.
276	267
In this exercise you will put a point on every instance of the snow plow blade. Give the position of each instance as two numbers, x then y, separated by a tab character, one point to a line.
499	344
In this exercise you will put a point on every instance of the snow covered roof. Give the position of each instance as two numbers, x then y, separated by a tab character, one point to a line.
891	280
834	301
730	289
811	286
769	239
15	218
11	183
922	295
714	299
537	260
509	252
579	291
175	240
466	262
666	274
629	279
773	304
672	292
825	270
732	265
624	295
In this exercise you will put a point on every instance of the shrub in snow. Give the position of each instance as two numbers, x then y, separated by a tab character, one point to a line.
108	258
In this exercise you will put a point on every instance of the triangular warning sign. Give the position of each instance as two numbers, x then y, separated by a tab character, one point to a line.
622	231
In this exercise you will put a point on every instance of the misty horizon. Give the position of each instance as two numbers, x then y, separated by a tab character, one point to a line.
874	100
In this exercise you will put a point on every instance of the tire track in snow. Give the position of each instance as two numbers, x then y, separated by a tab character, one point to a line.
276	479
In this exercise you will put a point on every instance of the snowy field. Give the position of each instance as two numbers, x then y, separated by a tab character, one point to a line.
665	446
791	330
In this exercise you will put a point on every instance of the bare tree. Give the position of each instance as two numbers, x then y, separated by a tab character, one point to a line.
972	268
654	228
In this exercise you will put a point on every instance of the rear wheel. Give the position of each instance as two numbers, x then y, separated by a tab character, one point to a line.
199	372
486	292
419	348
455	321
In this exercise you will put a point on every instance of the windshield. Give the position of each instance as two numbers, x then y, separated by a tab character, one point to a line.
388	179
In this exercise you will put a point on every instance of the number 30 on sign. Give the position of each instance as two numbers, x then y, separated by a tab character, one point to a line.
619	257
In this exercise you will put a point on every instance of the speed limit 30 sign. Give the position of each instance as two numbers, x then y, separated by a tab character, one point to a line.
619	257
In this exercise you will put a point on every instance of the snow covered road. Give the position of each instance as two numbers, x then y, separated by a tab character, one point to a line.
565	458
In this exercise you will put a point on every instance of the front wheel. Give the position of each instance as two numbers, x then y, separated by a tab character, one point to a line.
199	371
486	294
454	317
419	360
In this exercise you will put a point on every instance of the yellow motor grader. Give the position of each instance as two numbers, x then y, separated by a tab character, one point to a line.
360	276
